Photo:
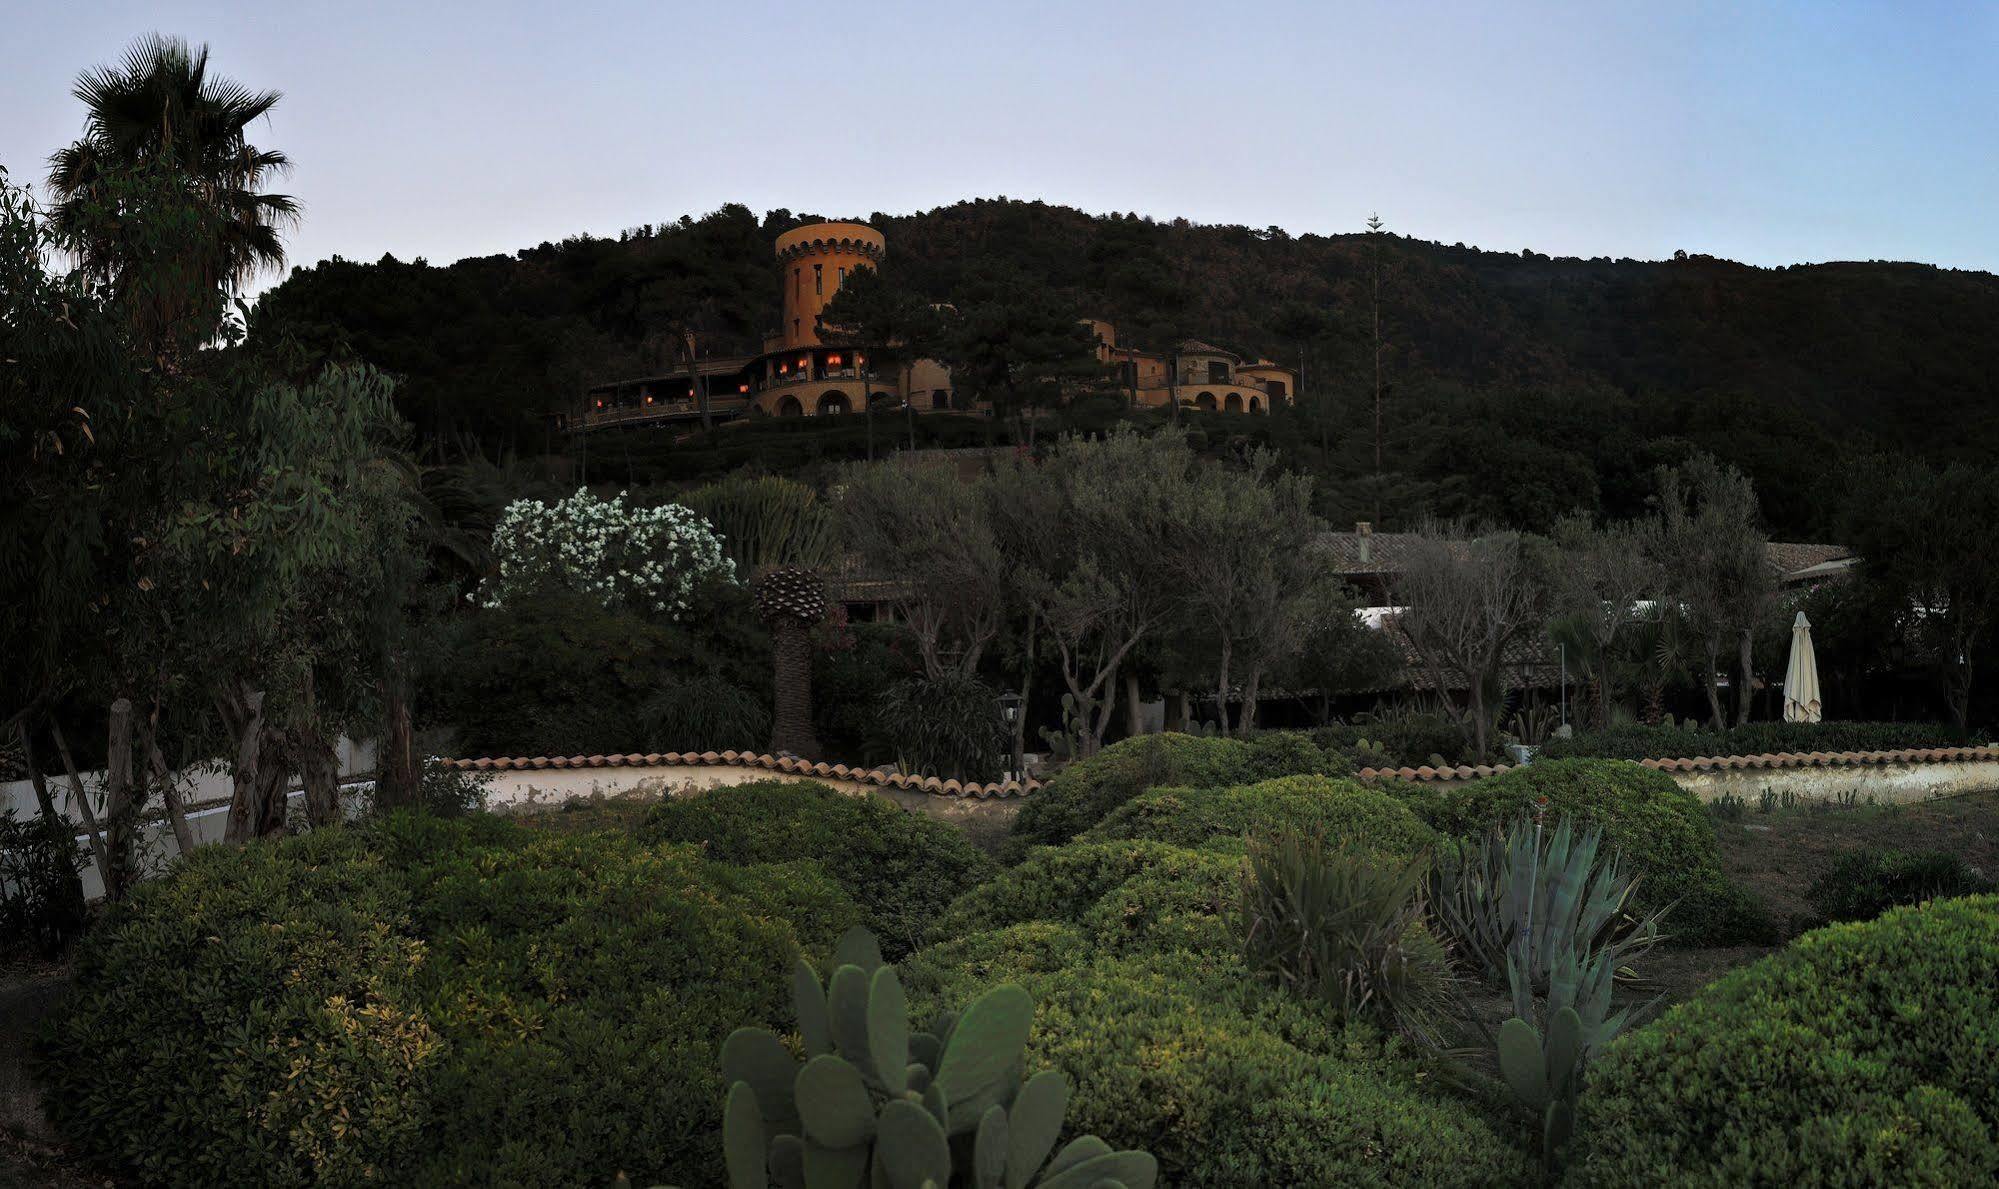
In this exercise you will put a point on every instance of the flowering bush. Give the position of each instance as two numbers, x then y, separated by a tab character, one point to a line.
642	559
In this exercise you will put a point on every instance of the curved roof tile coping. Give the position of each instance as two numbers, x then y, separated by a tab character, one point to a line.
932	785
1812	759
938	787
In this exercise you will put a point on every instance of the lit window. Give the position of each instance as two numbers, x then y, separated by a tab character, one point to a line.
832	361
742	388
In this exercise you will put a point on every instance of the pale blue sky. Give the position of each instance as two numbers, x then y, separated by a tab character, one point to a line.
1770	133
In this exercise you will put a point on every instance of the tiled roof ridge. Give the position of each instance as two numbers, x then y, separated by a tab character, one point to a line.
1789	759
933	785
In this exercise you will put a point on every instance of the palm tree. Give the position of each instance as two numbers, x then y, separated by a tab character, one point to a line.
161	108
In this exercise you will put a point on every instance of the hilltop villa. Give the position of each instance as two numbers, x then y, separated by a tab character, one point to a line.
796	375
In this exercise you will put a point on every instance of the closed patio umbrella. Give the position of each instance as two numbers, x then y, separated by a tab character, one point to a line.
1801	679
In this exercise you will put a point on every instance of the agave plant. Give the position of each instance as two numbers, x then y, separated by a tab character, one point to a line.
876	1103
1551	891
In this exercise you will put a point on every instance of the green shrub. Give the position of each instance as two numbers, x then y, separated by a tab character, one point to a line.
558	674
949	727
1344	810
1409	740
1341	926
1862	884
1860	1054
1227	1082
1659	827
422	1001
1085	792
248	1020
1639	742
900	867
1122	896
41	892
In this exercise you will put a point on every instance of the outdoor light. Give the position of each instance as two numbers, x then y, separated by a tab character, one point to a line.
1010	707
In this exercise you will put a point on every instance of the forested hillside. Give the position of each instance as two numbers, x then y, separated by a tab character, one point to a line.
1516	386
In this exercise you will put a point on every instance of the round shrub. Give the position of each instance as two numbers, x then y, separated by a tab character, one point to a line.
1860	1054
1657	825
1226	1082
1346	810
222	1015
427	1002
1865	883
1085	792
902	868
1121	895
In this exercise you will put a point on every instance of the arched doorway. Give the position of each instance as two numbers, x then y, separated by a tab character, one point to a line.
1233	404
1205	402
832	404
940	399
1256	404
789	407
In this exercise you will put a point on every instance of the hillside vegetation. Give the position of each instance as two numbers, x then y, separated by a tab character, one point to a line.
1516	386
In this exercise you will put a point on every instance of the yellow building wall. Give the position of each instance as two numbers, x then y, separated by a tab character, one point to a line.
814	260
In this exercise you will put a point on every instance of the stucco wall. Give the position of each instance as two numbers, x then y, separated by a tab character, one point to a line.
985	819
1885	784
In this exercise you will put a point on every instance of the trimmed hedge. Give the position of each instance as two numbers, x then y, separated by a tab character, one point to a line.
1639	742
1657	825
1861	1054
426	1002
1086	792
1228	1082
1120	896
1346	810
902	868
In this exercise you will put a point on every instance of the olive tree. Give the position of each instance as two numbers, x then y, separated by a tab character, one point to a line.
1712	555
1465	600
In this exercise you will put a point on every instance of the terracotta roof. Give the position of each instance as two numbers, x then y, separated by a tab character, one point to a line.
1386	553
1197	347
761	760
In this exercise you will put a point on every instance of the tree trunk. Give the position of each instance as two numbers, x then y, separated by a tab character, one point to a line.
1026	688
1222	686
1715	712
258	779
1745	652
791	719
1176	711
83	808
43	799
1134	721
163	776
397	781
1247	724
319	773
1480	721
123	802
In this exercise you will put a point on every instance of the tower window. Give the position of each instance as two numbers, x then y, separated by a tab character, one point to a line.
819	279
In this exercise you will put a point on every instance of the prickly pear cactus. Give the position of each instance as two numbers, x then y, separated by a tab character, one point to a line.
1069	742
875	1103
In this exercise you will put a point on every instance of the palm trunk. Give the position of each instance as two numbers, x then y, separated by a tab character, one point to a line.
791	719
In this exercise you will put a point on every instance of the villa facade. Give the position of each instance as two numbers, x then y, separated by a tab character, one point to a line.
798	375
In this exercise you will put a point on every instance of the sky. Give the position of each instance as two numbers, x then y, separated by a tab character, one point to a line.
1768	133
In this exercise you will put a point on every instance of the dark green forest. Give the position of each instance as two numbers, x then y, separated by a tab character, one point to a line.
1515	387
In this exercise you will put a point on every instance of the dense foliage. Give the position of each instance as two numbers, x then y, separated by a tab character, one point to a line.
1860	1054
1344	811
1638	742
1862	884
556	673
41	897
901	868
1660	828
1524	386
1084	793
425	1002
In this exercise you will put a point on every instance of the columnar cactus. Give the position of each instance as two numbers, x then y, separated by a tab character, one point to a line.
875	1103
792	600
